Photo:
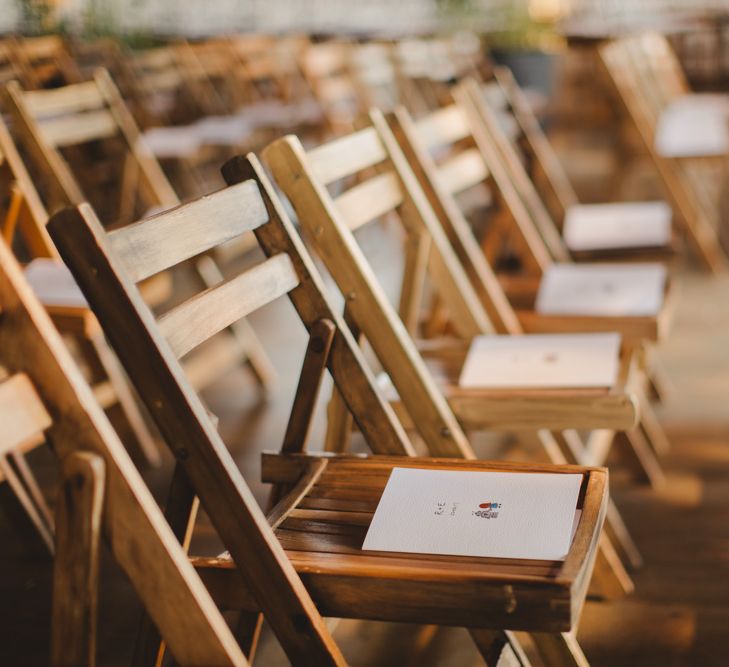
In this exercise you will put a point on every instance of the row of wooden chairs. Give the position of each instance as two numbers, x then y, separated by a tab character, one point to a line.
418	171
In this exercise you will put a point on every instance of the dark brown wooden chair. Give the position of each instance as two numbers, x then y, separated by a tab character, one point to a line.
47	122
293	583
44	398
23	221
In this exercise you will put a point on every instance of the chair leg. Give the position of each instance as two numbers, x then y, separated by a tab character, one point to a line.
499	648
26	504
180	512
642	458
559	649
248	631
610	574
148	448
339	424
76	565
652	428
26	476
250	345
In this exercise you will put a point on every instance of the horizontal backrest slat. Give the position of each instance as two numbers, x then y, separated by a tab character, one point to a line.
22	414
197	319
79	128
369	200
444	126
157	243
69	99
345	156
462	171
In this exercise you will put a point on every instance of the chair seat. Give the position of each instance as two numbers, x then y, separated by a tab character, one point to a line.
624	225
323	528
694	125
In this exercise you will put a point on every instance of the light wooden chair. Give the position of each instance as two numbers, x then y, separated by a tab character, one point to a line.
644	89
45	61
264	570
304	177
522	218
102	494
460	171
326	68
48	121
23	219
331	222
590	231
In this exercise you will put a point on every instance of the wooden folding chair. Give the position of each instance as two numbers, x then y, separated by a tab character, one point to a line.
465	169
592	231
326	68
643	97
45	62
45	397
304	177
24	218
266	566
331	222
71	117
523	219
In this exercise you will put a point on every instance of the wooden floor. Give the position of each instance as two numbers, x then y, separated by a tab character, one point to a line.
679	615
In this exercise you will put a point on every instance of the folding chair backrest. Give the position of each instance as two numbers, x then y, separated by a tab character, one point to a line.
373	73
542	162
156	85
140	539
442	153
49	121
498	150
462	156
331	223
325	67
107	266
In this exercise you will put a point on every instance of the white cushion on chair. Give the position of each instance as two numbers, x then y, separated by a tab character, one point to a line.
693	126
602	290
615	226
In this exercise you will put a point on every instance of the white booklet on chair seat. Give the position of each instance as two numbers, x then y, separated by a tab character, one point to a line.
542	361
54	284
476	513
694	125
617	225
602	290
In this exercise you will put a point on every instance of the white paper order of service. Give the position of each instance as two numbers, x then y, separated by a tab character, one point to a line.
474	513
